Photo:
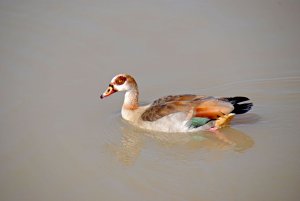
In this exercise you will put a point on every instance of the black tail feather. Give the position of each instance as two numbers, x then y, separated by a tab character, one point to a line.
239	108
242	108
235	100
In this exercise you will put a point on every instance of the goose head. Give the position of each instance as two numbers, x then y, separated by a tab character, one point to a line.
121	82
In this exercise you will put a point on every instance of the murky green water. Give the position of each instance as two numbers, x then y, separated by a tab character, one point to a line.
58	141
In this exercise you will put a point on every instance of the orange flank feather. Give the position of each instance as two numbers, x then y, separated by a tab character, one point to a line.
213	109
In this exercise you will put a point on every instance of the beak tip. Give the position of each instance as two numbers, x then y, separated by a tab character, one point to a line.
101	96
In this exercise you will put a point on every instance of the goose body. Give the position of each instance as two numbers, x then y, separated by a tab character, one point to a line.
177	113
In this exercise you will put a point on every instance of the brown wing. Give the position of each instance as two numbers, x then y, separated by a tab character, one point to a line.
168	99
201	106
168	105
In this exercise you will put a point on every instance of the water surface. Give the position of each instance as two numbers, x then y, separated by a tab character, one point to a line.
58	141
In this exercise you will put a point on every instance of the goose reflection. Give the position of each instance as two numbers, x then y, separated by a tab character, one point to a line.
133	140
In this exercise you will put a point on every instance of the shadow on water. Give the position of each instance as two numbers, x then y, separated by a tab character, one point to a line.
248	118
133	141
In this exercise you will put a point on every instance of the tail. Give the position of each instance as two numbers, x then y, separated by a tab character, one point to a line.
239	108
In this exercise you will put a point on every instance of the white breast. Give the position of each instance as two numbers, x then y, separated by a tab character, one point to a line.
171	123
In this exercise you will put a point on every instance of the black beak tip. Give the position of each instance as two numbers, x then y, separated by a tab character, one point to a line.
101	96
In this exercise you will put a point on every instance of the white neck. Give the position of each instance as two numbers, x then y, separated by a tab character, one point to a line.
131	99
130	105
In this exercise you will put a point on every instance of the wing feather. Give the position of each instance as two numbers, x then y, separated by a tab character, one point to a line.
199	106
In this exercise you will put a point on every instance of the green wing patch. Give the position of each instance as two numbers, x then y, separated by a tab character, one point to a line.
197	122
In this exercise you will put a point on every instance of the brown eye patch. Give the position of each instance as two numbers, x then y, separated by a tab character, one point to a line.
120	80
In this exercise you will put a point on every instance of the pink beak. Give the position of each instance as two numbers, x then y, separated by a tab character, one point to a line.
109	91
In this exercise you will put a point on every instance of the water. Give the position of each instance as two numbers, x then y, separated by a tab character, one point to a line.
58	141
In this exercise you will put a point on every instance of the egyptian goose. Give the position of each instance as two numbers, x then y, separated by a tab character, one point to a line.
178	113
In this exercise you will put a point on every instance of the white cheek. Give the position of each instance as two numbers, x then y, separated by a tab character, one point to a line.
121	87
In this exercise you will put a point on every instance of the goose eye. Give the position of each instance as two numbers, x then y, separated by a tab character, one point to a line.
120	80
